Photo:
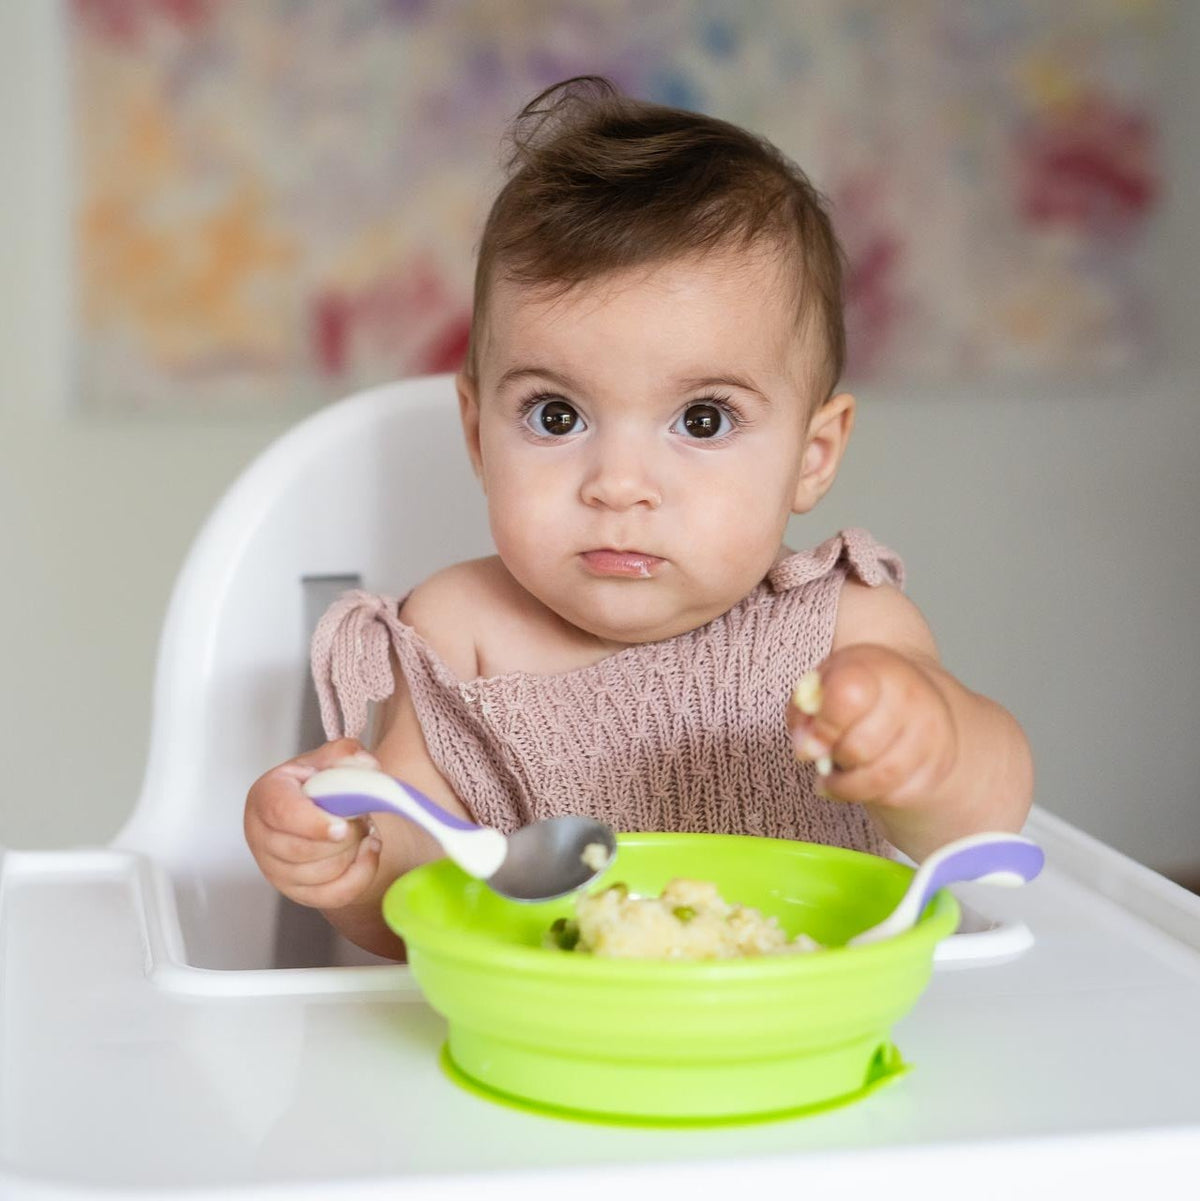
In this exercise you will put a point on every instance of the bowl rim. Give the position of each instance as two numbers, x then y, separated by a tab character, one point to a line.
467	946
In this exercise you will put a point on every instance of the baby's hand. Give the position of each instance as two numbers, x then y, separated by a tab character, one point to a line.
876	725
309	855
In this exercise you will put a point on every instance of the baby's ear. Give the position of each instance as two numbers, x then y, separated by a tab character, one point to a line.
468	411
825	444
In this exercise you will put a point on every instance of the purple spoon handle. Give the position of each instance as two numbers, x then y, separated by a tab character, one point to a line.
1013	857
359	804
356	791
987	858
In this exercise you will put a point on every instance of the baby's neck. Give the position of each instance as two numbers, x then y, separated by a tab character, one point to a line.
514	631
524	635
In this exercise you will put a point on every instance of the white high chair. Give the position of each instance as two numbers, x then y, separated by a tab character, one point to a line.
375	489
168	1027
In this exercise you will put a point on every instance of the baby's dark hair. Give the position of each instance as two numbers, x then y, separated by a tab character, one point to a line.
599	182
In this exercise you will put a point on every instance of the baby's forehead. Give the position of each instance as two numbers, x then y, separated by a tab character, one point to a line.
753	270
728	306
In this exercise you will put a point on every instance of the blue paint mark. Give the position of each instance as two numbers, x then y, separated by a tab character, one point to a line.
674	89
719	38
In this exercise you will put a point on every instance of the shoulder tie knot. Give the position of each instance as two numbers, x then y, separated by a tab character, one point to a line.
855	549
350	660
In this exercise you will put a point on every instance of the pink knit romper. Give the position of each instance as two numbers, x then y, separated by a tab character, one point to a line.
685	734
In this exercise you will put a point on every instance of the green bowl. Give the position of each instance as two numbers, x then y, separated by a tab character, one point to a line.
652	1040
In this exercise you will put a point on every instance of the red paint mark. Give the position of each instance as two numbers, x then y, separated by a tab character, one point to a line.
448	349
331	332
871	300
126	20
870	285
1090	167
408	317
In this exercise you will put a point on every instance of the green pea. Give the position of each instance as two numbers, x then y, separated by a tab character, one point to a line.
564	934
684	913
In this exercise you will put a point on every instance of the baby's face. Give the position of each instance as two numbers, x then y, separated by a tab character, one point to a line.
640	440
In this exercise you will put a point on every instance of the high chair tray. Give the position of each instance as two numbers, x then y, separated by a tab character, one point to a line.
1071	1070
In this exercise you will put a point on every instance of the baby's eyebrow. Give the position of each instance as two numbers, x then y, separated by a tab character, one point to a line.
725	381
555	377
687	384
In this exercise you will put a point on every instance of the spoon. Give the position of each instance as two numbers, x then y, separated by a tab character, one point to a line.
1006	859
539	862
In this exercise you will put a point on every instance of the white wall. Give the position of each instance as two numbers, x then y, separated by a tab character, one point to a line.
1049	533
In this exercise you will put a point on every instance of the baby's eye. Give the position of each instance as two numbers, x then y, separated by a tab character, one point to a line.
704	421
554	417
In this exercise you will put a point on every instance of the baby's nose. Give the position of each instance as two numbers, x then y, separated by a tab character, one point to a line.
620	477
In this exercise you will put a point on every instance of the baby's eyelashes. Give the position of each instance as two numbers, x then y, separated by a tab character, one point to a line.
551	417
707	419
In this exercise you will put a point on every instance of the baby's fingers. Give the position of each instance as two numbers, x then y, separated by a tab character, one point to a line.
294	851
317	870
850	690
868	740
343	888
278	802
896	774
279	805
847	692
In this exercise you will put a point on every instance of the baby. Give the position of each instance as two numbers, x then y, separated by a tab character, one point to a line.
650	392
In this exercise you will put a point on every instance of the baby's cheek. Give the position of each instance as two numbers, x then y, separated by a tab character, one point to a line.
520	515
737	548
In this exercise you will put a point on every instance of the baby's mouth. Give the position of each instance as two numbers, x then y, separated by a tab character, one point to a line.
629	564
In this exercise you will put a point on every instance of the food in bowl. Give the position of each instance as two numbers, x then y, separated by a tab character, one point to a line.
688	920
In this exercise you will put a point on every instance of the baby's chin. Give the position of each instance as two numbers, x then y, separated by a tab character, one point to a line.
632	620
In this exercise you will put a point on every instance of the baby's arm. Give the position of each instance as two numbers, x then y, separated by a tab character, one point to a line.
929	758
402	845
344	868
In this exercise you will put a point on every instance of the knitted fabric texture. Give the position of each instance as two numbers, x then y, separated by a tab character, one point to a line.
685	734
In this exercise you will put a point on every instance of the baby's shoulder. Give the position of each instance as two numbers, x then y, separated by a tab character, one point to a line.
482	622
450	608
880	613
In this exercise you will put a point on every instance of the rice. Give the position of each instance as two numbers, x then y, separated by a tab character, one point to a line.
808	695
690	920
595	855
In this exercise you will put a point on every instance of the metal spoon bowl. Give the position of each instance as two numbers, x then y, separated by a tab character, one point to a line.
539	862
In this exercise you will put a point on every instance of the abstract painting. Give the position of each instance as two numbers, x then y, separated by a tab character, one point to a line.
278	202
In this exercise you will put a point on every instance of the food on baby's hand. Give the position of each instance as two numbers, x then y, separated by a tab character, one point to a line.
690	920
807	696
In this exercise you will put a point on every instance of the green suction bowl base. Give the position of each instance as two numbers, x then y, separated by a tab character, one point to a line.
612	1093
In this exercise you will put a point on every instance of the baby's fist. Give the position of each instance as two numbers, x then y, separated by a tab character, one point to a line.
312	858
876	724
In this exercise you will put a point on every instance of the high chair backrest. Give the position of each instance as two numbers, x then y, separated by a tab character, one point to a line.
377	486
